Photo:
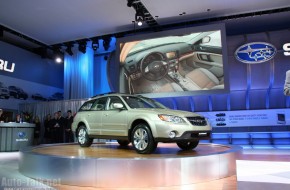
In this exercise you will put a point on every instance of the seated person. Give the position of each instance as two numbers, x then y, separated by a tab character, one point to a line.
18	119
3	118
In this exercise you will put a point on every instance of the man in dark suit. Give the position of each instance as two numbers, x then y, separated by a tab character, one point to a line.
68	131
57	126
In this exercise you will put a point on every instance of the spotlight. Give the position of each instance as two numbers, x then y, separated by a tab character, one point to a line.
95	44
58	54
58	59
83	46
106	43
68	49
139	17
139	22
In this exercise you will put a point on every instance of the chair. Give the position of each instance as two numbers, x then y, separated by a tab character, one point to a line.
169	87
203	78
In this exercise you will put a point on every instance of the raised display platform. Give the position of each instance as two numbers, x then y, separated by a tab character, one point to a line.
110	165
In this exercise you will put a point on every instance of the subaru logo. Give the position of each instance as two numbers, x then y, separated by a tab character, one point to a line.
21	134
256	52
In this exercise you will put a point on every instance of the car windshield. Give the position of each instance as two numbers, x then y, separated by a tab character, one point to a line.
142	102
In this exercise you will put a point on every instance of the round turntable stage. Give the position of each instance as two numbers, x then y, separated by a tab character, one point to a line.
110	165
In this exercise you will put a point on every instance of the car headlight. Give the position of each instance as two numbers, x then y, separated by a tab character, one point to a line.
171	118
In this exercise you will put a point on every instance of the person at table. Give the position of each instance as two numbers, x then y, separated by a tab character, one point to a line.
18	118
3	118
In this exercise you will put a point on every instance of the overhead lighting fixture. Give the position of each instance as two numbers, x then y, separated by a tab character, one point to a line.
69	50
58	57
42	51
183	13
139	22
83	46
58	54
139	17
130	3
106	43
58	60
95	44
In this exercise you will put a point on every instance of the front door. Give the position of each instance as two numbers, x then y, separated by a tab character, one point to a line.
114	121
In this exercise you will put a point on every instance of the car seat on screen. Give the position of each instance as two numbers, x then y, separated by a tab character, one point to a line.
169	87
203	78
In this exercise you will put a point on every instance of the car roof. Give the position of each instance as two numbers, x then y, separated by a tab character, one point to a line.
112	94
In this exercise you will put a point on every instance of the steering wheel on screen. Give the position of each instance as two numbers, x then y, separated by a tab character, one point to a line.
154	66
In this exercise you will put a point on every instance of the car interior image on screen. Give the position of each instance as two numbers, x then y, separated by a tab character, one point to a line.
175	63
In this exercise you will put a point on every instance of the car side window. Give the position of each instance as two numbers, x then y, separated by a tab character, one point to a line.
114	99
87	105
99	104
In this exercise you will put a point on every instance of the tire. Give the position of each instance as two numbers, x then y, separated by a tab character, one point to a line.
187	145
142	139
123	142
83	137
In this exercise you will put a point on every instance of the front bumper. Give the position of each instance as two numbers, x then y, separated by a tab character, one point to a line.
187	136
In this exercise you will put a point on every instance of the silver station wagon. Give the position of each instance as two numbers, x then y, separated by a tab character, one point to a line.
138	120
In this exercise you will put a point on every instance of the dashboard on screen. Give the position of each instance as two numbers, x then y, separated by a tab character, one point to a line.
181	62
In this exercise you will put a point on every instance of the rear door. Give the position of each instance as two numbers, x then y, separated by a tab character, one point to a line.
94	115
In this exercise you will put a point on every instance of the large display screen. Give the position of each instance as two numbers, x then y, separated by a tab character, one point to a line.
179	62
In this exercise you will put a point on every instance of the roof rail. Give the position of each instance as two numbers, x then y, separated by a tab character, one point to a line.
107	93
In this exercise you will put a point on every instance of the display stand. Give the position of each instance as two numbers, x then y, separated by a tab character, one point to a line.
98	165
14	136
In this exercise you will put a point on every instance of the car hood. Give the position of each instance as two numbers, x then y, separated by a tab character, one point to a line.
168	112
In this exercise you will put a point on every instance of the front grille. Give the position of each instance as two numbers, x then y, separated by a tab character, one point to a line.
197	121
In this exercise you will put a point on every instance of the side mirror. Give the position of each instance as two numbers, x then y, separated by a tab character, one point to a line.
206	39
118	106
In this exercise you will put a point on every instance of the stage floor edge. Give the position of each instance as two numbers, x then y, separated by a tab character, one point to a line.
169	166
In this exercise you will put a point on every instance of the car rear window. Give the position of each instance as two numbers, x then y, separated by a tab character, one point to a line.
87	105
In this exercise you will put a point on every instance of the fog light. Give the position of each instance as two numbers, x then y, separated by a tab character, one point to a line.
172	134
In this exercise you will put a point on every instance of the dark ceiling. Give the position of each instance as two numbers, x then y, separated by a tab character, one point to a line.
34	24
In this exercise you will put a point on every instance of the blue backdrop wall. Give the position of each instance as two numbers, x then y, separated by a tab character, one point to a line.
39	79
